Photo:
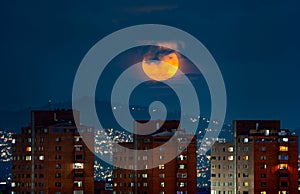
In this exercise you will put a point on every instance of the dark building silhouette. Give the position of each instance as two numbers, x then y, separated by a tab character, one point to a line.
262	159
100	187
51	153
176	176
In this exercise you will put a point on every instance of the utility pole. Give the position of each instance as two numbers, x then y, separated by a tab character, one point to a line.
32	151
234	158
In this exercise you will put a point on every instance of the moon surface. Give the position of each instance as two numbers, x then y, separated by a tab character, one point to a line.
162	69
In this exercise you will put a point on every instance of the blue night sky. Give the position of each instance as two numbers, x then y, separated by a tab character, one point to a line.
255	43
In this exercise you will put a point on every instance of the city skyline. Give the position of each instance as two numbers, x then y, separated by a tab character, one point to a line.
263	131
255	45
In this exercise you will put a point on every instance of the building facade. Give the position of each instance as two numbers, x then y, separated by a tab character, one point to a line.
51	154
176	176
262	159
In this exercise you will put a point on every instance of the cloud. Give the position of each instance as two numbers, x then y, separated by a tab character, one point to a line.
149	8
174	45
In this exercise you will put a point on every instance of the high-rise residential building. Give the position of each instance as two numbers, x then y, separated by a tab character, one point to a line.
262	159
175	176
50	156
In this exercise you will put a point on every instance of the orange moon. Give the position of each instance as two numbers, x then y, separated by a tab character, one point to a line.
162	69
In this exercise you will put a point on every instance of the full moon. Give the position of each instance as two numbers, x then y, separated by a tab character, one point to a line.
162	69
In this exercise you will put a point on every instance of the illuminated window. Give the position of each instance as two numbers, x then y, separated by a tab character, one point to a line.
13	141
283	148
245	157
283	157
162	184
263	157
282	192
263	192
267	132
230	149
77	138
78	165
181	148
181	166
28	158
28	149
145	184
161	166
283	166
245	184
161	175
246	140
161	157
230	157
263	166
41	157
285	139
43	130
58	139
77	147
181	184
13	184
78	183
181	175
145	175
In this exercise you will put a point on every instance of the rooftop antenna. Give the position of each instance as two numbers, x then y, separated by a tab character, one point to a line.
32	152
257	126
50	104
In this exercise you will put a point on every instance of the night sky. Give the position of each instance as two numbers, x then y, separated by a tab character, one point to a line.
255	43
